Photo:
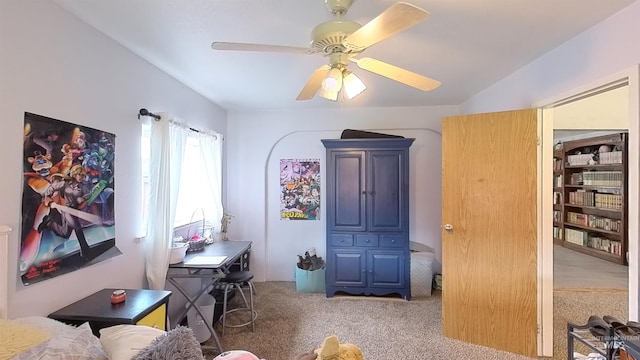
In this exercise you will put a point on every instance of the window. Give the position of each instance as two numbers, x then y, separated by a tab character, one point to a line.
195	192
193	185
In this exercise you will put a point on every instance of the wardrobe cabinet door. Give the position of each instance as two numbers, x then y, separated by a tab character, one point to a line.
385	186
346	267
347	198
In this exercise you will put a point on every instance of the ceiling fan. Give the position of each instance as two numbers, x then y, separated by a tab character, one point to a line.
341	41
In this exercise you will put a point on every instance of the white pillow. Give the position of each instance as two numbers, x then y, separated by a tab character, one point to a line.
122	342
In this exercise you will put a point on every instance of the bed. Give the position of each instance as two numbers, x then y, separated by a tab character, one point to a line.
38	337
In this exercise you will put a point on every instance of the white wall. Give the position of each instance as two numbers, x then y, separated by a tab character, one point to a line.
258	140
54	65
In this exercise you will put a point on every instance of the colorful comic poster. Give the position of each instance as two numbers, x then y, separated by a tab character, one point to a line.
67	198
300	189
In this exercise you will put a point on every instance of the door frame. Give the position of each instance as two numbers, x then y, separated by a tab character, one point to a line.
545	209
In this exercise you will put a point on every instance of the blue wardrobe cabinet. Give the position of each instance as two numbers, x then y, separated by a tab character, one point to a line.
367	190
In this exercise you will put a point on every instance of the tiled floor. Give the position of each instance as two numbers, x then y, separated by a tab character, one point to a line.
572	269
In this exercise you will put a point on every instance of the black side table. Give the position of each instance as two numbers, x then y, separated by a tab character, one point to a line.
141	307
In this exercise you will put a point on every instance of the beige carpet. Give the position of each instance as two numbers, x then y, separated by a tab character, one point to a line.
576	305
388	328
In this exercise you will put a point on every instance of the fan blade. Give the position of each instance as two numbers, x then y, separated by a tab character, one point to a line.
314	83
398	74
400	16
259	47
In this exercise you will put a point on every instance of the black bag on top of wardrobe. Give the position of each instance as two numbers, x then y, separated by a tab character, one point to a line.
361	134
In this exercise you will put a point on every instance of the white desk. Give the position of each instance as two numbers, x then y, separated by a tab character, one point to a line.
233	250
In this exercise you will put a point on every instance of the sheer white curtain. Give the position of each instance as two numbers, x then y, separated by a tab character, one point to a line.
185	174
168	140
210	146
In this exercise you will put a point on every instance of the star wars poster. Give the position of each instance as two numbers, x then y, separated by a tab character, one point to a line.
67	198
299	189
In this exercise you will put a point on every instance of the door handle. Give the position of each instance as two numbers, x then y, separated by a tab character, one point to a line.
448	227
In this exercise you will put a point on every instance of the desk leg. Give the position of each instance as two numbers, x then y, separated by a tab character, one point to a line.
192	303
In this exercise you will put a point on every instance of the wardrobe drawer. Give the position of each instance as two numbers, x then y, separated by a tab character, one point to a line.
367	240
341	240
392	241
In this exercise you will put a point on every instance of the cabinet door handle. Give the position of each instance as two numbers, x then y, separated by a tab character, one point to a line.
364	192
371	192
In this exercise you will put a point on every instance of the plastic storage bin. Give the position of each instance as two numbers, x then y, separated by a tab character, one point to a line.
310	281
421	273
206	303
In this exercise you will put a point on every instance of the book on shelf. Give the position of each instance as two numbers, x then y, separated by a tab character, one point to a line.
558	181
605	223
593	221
602	178
581	197
608	201
557	164
557	232
578	218
586	239
557	197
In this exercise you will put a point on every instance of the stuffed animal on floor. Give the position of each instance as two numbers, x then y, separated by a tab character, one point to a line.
306	356
236	355
332	350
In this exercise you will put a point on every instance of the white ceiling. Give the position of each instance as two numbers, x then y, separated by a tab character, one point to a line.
468	45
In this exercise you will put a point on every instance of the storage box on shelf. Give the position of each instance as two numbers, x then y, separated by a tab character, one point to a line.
590	214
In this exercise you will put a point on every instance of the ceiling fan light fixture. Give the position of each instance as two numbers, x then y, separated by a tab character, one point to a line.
331	84
352	85
330	93
333	80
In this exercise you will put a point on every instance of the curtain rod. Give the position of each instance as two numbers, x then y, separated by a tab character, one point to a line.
145	112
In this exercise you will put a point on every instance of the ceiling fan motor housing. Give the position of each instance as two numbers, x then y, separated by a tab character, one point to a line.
338	7
327	37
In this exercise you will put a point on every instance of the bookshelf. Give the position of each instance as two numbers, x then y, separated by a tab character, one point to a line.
590	196
558	183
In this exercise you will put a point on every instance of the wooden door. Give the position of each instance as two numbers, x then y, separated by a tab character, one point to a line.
489	197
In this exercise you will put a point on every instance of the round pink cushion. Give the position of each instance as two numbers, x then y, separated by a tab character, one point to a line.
236	355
